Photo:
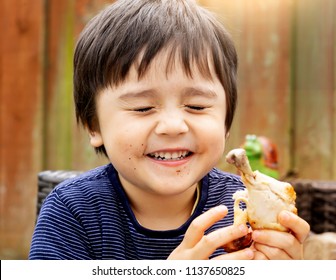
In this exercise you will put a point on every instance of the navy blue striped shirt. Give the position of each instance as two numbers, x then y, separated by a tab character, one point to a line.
89	217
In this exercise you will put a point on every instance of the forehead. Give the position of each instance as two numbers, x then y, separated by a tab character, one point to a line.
167	73
173	59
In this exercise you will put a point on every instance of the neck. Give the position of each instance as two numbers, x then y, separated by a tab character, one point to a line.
161	212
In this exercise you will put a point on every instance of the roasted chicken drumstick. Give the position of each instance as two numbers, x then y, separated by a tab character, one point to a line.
264	196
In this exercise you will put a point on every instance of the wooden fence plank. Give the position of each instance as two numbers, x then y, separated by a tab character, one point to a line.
67	145
315	149
59	111
21	83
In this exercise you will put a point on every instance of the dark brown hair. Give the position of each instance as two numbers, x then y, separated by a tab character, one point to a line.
114	40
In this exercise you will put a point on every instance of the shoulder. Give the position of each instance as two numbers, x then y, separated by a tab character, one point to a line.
83	198
221	178
88	188
92	180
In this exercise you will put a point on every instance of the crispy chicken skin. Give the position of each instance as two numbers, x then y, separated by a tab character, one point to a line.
265	197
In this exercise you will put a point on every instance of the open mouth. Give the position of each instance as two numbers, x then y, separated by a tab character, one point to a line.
178	155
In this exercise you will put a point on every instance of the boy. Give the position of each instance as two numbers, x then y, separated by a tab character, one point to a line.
155	86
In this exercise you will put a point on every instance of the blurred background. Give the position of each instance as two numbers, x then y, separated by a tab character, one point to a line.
287	63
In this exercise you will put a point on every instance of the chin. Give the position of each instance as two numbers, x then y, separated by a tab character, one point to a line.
172	186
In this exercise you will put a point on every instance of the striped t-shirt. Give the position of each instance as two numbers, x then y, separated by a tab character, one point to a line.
89	217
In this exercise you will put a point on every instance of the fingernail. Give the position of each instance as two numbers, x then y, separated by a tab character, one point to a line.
221	208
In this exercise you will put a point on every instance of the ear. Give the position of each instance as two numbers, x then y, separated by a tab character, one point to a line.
227	135
96	140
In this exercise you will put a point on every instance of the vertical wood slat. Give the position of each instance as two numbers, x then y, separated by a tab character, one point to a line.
67	145
315	91
59	109
21	64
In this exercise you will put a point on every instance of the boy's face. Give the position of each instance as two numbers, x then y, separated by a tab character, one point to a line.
164	132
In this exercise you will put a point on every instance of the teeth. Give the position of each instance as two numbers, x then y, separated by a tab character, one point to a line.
169	156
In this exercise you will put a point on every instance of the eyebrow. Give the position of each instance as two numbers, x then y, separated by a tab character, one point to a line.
137	94
188	92
198	91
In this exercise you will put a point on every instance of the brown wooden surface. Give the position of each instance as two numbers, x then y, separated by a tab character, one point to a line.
287	54
21	84
315	92
66	145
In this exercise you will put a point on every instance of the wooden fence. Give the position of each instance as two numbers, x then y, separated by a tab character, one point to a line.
287	55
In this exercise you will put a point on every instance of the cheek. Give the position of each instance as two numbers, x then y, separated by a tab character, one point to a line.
216	143
123	155
129	138
214	134
217	146
126	146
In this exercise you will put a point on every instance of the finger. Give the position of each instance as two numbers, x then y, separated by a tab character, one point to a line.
246	254
259	256
299	227
210	242
199	225
279	241
271	253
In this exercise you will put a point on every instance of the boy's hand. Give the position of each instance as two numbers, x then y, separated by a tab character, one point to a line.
197	246
270	244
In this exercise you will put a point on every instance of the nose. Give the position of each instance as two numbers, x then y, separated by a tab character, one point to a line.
171	123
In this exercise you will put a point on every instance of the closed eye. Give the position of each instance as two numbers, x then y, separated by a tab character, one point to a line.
195	107
143	110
